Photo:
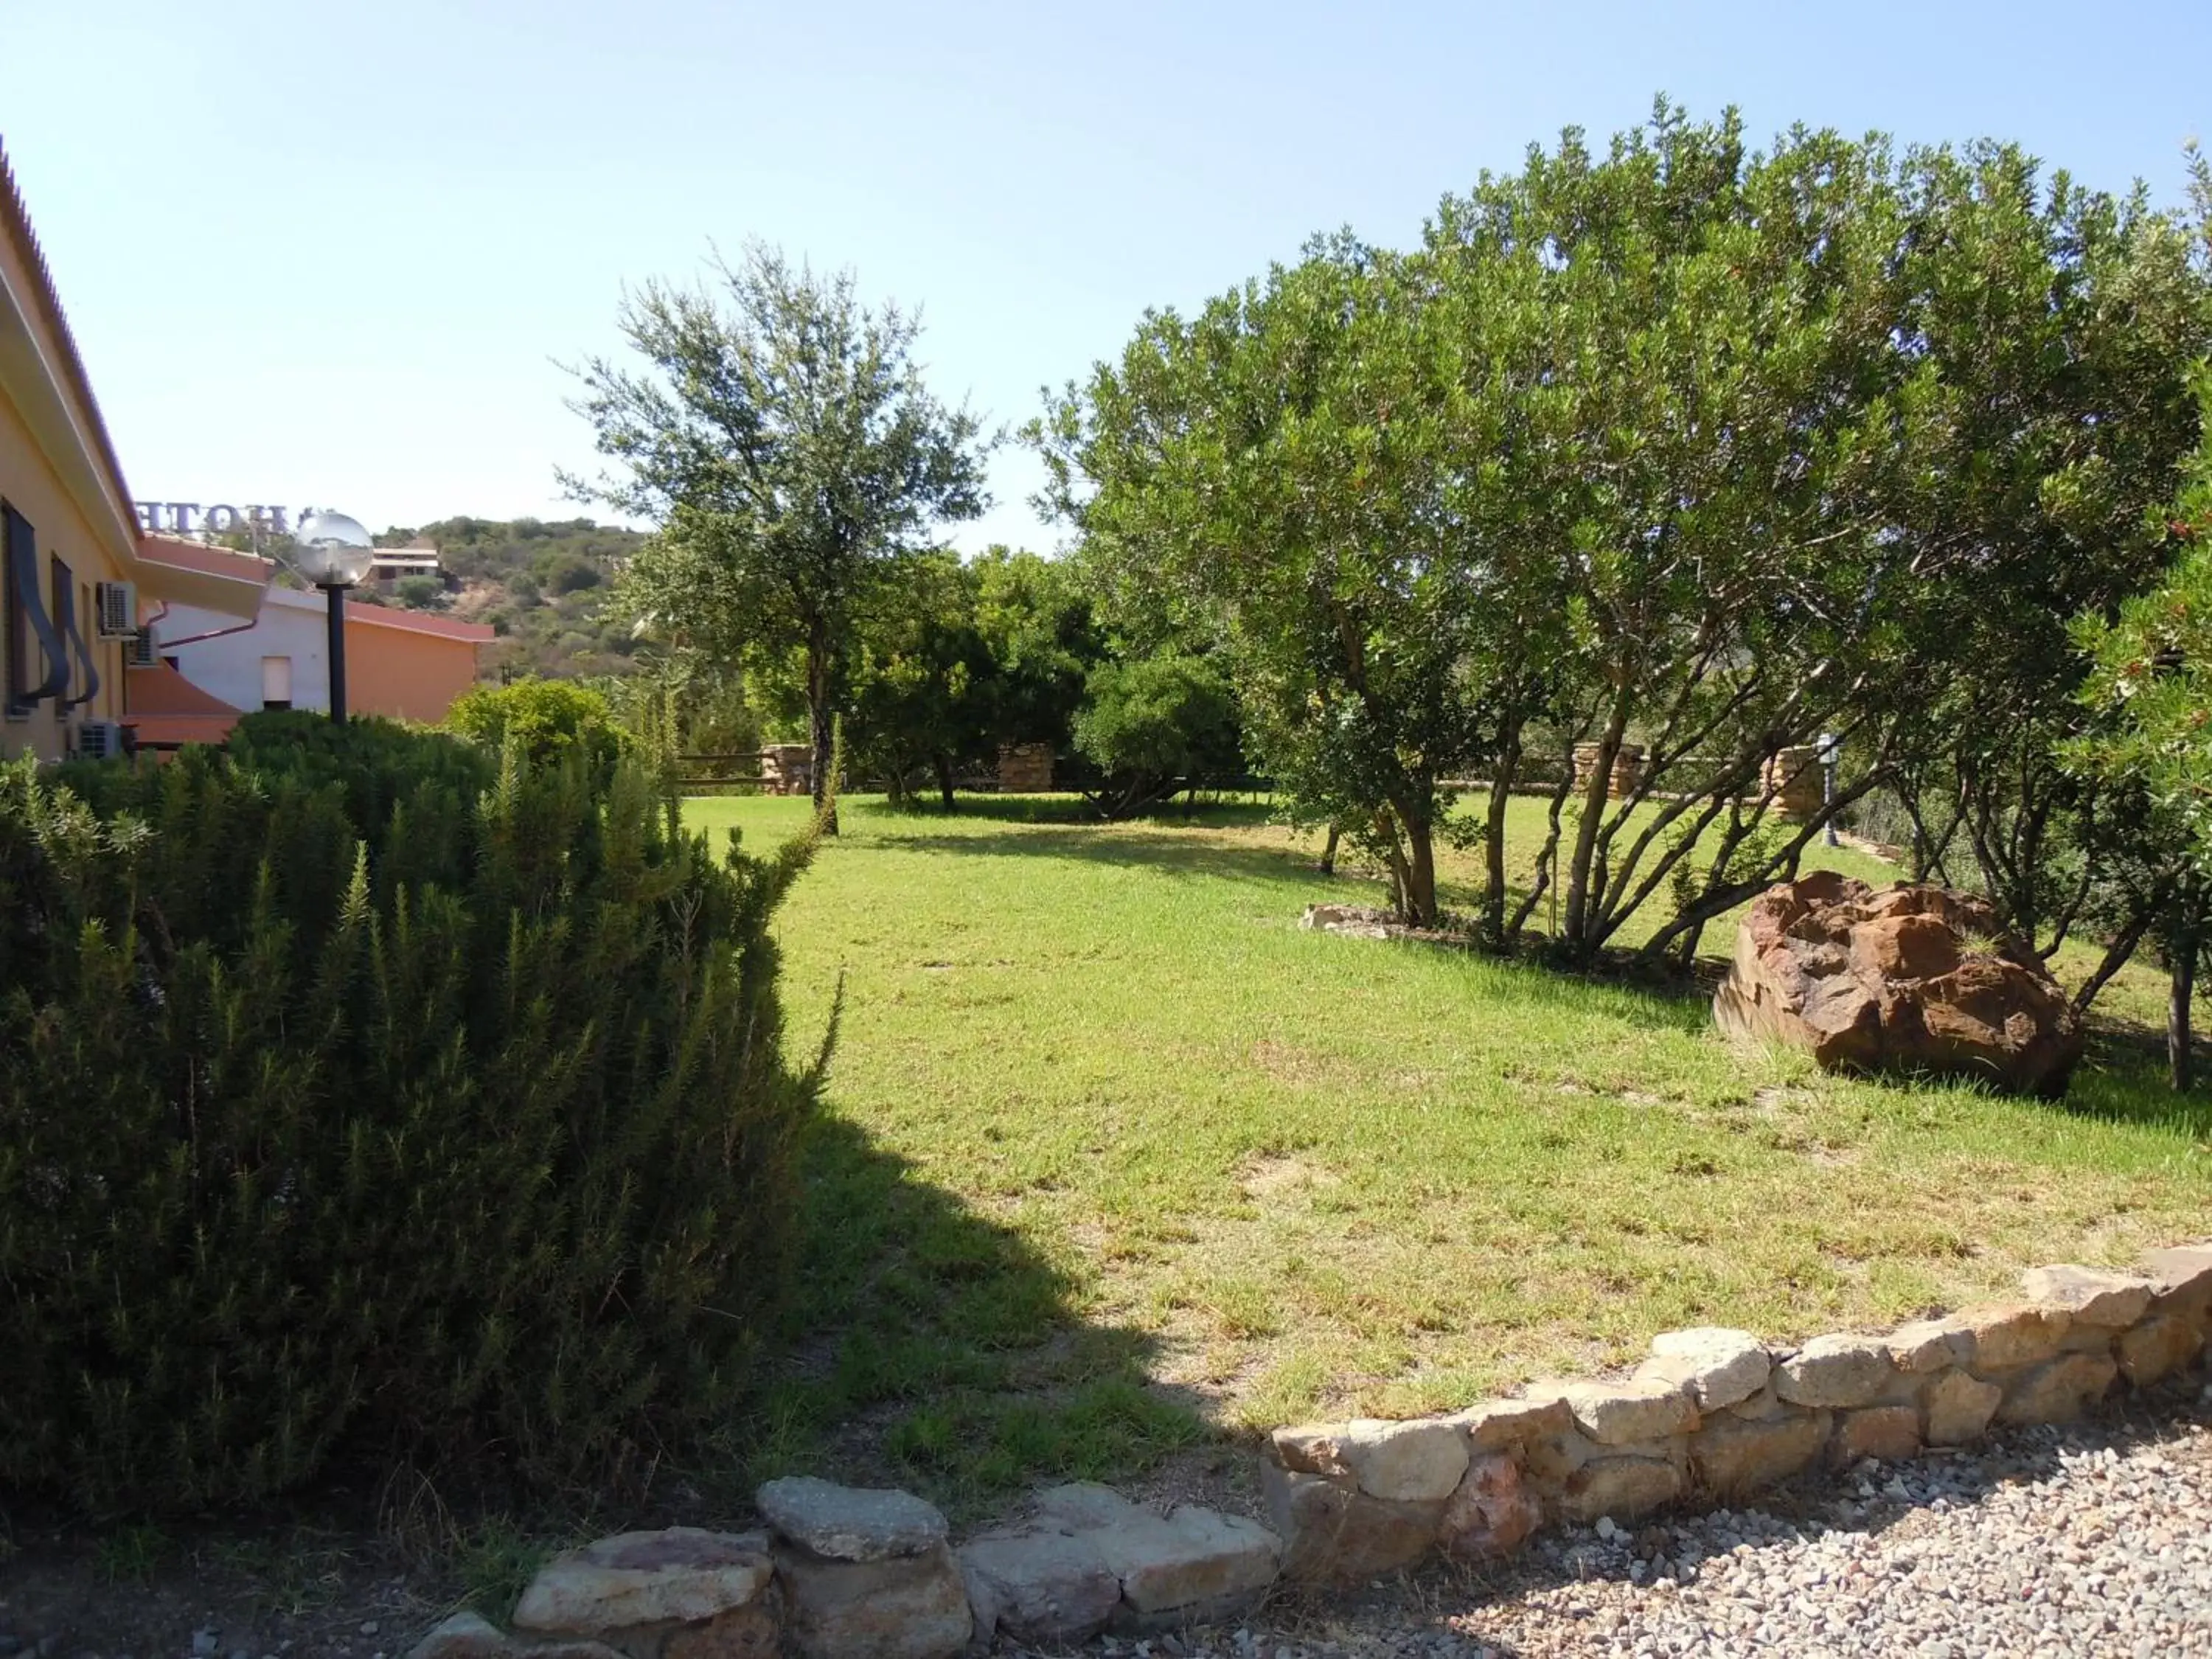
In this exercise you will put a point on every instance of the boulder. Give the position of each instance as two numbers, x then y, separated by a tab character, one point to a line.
1733	1455
2090	1296
1718	1367
1959	1407
1838	1370
1888	1433
1910	979
910	1607
1931	1344
2012	1334
1491	1514
1411	1462
850	1523
1044	1587
680	1575
2157	1347
1618	1413
1497	1425
1189	1558
1621	1487
1334	1535
2059	1391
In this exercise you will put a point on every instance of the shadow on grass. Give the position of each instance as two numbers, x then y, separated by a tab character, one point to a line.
930	1347
1113	844
1237	811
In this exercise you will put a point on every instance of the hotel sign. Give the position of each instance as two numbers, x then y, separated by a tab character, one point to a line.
190	519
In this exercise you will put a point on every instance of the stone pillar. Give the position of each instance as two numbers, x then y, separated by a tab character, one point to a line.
1627	767
787	769
1794	775
1024	769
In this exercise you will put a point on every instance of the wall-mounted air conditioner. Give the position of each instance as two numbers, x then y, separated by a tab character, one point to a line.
141	650
98	739
118	605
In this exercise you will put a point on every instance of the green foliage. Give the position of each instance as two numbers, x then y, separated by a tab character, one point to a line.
781	434
547	718
545	580
1154	727
419	593
360	1093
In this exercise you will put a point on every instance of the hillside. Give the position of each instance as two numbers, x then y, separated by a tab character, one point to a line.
541	583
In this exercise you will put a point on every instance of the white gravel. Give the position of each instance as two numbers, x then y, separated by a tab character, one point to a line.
2093	1539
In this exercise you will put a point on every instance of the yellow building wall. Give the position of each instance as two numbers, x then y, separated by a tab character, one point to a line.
29	484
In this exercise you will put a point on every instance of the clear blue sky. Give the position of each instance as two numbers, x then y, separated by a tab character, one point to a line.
328	253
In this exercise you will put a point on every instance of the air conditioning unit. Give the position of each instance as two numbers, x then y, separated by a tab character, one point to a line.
118	605
99	739
141	650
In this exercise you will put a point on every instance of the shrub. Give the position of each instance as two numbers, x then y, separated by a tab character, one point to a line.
419	593
546	718
356	1095
1155	725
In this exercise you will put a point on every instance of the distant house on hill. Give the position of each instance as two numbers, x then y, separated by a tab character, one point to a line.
407	664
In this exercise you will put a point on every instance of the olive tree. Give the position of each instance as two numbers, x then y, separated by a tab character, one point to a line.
779	432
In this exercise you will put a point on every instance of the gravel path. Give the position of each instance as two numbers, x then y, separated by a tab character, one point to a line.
2093	1539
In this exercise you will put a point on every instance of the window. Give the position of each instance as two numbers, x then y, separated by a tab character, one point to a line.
275	682
30	634
75	692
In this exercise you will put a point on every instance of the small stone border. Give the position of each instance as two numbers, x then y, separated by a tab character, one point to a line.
1712	1415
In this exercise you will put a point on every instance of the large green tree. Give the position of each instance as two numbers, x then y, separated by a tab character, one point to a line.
779	432
2149	695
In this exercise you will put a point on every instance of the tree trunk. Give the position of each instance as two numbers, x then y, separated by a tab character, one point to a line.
825	731
1417	897
1493	847
1595	790
944	764
2180	1060
1329	850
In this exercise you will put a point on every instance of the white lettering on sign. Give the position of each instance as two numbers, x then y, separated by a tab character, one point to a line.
189	518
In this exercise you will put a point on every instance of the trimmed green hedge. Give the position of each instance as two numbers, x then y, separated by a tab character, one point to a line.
364	1092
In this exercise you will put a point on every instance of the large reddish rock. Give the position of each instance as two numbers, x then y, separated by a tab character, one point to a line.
1911	979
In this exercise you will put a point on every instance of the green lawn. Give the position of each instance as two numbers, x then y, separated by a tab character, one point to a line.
1116	1152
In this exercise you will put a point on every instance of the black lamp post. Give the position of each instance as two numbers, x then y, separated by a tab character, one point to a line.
334	554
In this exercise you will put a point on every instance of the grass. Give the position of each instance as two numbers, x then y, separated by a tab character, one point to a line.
1117	1157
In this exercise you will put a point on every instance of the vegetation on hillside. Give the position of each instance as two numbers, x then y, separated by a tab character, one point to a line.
542	584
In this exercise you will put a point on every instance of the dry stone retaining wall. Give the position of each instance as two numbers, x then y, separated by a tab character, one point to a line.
1713	1414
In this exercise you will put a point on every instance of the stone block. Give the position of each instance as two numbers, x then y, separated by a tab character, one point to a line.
1615	1413
1622	1487
1188	1556
2059	1391
1408	1462
911	1606
1719	1367
1731	1455
1334	1535
1039	1587
753	1632
2157	1348
2014	1334
1499	1425
1931	1344
850	1523
1890	1433
680	1575
1761	1405
2090	1296
1837	1371
1491	1513
1959	1407
2181	1277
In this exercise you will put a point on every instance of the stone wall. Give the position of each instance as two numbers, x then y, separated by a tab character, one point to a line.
1627	767
787	769
843	1573
1025	769
1715	1413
